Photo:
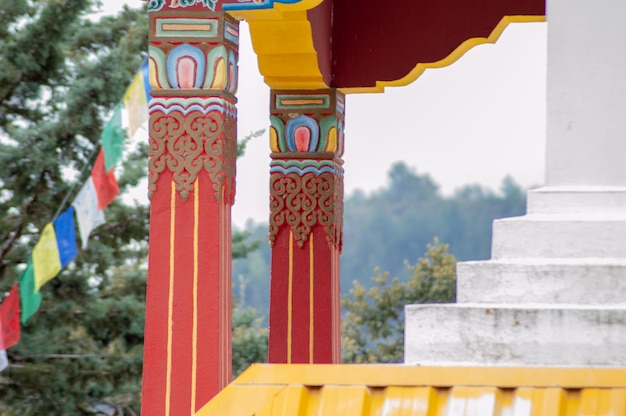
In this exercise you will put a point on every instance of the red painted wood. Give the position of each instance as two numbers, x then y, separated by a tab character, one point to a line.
182	317
300	307
156	328
326	299
277	348
213	345
209	296
385	41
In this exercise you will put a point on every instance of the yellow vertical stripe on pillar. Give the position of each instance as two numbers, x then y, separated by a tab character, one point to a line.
290	298
194	346
223	312
311	300
170	299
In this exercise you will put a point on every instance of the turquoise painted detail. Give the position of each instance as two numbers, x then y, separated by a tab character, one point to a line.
256	4
302	167
156	5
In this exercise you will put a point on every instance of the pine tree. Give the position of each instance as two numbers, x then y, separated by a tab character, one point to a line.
60	75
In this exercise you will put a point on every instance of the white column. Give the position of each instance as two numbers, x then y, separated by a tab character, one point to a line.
586	92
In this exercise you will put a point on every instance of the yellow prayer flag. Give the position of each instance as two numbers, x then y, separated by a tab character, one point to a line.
136	104
46	257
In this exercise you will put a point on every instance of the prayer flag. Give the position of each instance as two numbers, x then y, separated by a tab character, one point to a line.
145	74
87	212
104	182
66	238
113	139
46	257
4	362
136	99
10	318
29	299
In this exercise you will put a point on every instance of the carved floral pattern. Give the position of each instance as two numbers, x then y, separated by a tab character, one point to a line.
187	144
301	202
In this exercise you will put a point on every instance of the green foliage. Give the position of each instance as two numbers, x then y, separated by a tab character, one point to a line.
249	339
373	326
252	273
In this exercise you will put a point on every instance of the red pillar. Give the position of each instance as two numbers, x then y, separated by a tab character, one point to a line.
193	63
306	203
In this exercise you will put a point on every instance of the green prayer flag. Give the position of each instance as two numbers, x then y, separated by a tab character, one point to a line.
113	139
29	299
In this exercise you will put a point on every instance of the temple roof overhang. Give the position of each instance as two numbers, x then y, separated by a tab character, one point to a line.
362	45
366	45
301	390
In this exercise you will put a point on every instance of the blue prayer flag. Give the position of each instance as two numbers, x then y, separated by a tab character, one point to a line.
66	237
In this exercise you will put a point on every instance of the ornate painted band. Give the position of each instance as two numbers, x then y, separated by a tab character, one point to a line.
189	136
302	167
302	200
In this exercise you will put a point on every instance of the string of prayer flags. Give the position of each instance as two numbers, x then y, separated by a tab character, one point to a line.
30	300
87	212
113	139
56	247
66	237
4	361
10	318
104	182
46	257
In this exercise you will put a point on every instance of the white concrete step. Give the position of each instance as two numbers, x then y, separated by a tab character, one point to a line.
577	200
551	281
522	335
559	236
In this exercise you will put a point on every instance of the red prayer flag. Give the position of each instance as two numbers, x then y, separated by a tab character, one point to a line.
104	182
10	317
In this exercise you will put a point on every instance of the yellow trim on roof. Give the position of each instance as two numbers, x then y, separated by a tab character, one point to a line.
337	390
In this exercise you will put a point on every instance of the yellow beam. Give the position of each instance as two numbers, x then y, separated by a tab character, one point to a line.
363	390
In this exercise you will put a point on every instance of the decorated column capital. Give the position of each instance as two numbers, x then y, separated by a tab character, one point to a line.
306	182
193	72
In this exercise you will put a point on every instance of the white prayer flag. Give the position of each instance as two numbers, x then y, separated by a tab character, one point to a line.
87	212
4	362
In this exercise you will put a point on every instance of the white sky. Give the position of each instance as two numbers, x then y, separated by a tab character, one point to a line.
476	121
